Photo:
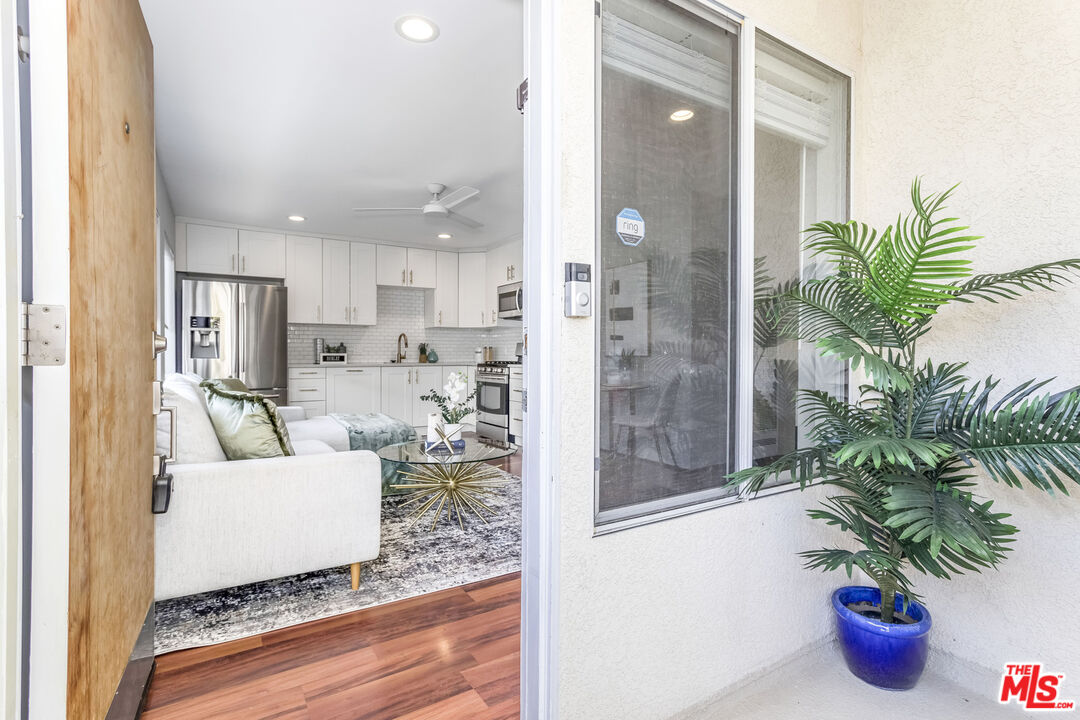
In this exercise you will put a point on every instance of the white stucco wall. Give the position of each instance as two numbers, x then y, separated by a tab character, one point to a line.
988	94
656	619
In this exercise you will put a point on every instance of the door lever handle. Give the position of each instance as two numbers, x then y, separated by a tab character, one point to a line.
161	343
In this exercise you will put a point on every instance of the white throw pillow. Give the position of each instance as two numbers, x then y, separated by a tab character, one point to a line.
196	441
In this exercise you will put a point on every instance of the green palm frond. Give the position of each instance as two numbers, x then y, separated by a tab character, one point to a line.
1011	285
885	449
801	466
849	245
833	422
834	307
884	372
1037	439
946	516
915	264
932	387
876	564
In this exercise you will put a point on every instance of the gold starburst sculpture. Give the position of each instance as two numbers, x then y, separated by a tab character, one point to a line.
453	488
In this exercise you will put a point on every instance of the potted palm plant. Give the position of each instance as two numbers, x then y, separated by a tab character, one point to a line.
902	455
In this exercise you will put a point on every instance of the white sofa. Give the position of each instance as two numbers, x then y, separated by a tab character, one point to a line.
232	523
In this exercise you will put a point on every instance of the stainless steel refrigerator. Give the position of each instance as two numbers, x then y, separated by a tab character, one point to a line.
235	330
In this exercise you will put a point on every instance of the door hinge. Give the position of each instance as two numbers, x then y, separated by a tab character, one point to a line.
42	334
522	95
24	44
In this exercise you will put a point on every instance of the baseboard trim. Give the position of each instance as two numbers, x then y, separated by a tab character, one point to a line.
134	686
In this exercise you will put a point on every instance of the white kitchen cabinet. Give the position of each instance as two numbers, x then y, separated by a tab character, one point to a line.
304	278
427	378
423	268
261	254
337	308
496	273
397	393
472	286
363	288
441	303
212	249
354	390
392	265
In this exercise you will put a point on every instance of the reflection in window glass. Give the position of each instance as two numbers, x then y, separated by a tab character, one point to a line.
666	305
800	177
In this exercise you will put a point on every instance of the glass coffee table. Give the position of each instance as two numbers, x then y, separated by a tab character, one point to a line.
454	483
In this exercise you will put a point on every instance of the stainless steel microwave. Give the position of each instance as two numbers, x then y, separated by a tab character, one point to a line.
510	297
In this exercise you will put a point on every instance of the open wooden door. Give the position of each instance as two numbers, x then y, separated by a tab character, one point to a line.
111	114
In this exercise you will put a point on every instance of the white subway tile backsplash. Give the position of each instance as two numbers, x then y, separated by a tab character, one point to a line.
401	310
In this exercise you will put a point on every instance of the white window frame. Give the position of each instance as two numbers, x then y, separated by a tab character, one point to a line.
747	36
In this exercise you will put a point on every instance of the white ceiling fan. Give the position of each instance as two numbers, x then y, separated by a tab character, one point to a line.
439	206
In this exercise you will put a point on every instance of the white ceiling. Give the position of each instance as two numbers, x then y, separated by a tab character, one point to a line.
268	108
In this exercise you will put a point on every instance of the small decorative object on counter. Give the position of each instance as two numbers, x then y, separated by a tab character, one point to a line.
333	355
423	352
455	407
320	348
432	356
478	355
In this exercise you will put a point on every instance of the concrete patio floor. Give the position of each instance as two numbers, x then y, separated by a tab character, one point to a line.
819	685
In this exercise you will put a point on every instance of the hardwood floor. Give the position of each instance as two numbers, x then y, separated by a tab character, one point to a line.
450	654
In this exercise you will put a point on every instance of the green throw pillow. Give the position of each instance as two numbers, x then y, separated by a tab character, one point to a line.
247	424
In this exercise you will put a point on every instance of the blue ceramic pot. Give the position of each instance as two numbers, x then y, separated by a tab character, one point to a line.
886	655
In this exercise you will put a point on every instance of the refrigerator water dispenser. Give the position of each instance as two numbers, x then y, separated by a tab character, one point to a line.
205	336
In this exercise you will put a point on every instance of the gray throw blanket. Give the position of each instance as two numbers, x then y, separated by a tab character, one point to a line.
374	431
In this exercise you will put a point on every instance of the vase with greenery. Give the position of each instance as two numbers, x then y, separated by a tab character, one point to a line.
900	457
455	400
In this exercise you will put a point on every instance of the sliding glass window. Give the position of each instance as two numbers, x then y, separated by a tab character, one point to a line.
666	273
673	319
800	176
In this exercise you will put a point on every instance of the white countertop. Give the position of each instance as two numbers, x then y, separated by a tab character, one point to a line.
386	364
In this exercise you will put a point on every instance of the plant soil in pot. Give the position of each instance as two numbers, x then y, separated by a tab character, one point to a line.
887	655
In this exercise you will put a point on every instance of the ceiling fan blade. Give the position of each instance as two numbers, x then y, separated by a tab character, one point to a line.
459	196
363	210
467	222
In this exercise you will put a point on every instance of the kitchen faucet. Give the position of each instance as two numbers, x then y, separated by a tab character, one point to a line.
401	355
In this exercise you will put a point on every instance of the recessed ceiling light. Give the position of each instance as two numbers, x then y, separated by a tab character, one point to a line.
297	218
682	115
445	236
416	28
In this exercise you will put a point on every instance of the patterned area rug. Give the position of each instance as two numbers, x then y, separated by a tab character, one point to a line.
412	561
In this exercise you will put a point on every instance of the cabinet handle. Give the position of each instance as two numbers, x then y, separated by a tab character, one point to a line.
492	316
243	263
308	390
403	276
346	314
513	272
440	317
408	376
354	371
507	272
318	313
232	263
482	318
354	314
410	277
309	373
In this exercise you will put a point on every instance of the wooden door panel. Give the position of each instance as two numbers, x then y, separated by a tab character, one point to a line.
111	116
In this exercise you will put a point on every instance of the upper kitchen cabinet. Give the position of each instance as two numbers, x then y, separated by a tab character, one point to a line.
405	267
392	265
504	266
337	307
262	254
441	303
363	290
304	278
212	249
472	291
423	268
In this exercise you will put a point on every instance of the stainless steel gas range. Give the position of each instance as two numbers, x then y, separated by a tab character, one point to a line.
499	400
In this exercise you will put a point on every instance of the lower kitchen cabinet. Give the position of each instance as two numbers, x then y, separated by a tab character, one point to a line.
397	392
428	378
354	390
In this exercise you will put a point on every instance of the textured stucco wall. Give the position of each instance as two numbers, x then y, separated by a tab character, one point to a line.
656	619
988	93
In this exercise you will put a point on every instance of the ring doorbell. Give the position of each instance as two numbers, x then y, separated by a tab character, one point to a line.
577	290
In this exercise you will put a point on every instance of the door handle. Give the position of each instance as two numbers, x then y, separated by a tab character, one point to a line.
161	344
